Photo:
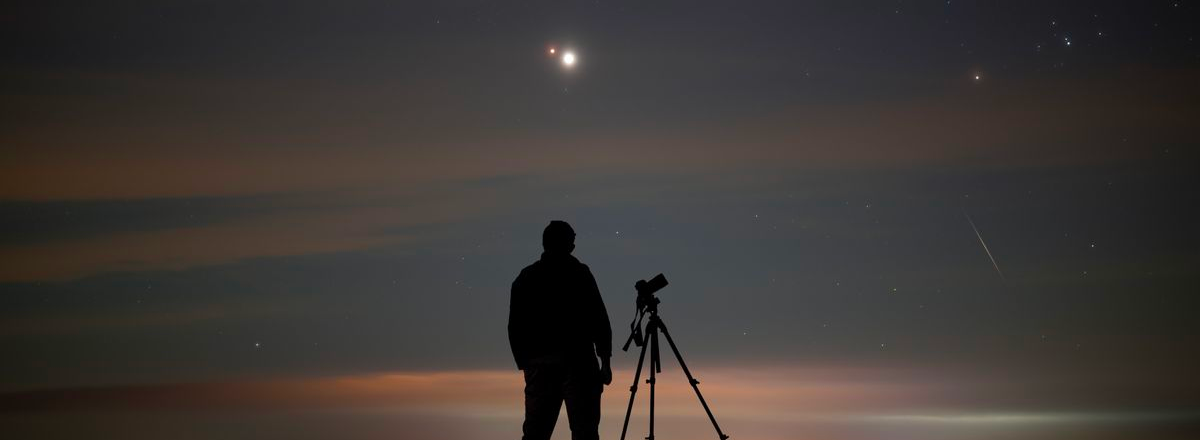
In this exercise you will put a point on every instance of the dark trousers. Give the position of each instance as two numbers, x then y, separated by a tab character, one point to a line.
548	385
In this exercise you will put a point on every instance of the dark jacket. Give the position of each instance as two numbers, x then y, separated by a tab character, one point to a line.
556	313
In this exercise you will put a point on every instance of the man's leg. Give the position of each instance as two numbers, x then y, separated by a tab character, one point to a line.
583	401
543	399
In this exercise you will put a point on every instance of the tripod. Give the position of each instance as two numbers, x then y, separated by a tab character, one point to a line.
649	304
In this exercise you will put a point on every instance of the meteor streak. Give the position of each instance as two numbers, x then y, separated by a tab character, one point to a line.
985	248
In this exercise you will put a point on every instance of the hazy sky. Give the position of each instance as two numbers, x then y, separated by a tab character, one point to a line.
301	219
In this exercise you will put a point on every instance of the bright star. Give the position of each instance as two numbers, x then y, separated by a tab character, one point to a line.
568	59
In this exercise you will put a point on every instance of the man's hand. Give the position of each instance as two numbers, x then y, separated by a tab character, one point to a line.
605	371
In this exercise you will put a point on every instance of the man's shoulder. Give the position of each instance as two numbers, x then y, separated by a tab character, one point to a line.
535	265
581	269
541	267
534	269
531	268
577	263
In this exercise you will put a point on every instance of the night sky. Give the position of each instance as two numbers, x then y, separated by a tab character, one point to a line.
880	219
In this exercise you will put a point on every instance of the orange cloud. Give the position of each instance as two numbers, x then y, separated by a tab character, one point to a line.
762	393
764	403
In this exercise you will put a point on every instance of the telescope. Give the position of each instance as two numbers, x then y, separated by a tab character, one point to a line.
645	292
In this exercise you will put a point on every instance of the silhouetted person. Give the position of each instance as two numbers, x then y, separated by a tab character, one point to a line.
557	326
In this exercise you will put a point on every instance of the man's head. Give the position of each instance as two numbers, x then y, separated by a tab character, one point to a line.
558	238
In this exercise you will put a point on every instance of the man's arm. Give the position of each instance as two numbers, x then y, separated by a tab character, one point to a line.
517	321
601	328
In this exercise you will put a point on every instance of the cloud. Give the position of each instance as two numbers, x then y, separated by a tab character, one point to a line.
243	228
77	323
752	403
270	235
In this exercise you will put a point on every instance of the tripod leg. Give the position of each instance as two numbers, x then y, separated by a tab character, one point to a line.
695	383
654	365
637	375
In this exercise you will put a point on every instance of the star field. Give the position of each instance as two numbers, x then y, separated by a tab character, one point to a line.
926	219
